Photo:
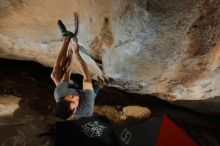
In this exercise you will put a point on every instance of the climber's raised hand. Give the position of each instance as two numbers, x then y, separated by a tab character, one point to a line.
74	45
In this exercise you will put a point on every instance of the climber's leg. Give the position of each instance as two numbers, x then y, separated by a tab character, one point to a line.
64	32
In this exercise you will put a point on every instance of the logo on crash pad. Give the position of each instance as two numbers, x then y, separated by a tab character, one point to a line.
126	136
93	129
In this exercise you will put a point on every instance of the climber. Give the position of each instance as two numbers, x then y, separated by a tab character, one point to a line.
69	98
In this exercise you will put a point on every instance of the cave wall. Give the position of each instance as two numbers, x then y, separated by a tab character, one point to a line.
166	48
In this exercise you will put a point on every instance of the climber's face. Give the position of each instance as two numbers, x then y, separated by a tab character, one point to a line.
73	101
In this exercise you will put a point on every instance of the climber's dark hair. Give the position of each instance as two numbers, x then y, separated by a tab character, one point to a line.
62	109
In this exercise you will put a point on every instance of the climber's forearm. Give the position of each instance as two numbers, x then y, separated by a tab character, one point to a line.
87	81
67	69
84	68
58	69
62	57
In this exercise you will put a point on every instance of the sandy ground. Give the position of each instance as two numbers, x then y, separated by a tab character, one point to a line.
26	108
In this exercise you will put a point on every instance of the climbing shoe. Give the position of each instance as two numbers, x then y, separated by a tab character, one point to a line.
63	29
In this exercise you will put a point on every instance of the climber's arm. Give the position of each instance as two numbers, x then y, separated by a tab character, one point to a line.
67	69
61	61
87	81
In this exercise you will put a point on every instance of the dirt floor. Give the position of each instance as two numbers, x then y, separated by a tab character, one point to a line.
26	108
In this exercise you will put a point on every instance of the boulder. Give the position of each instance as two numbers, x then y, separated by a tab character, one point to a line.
137	112
166	48
8	105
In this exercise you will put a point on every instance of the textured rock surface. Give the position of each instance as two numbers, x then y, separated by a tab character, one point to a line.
165	48
137	112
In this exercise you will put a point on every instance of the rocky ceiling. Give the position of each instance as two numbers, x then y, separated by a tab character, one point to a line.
166	48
